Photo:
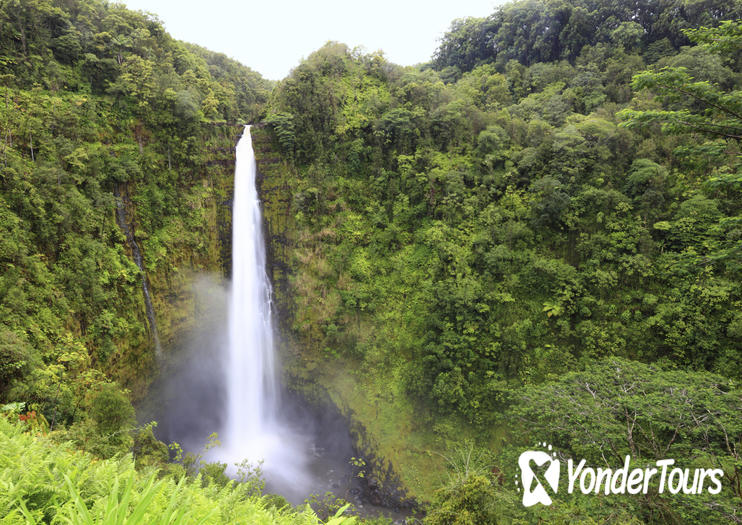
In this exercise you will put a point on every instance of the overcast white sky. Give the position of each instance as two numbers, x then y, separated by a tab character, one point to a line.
272	36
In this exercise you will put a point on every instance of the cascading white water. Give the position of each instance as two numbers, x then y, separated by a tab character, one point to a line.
251	378
252	430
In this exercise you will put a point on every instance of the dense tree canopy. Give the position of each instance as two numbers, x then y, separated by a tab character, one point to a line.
535	31
561	188
520	219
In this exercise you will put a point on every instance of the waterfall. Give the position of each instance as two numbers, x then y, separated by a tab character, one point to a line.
251	375
149	310
252	430
254	422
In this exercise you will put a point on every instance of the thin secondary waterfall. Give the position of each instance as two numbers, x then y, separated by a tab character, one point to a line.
250	371
121	200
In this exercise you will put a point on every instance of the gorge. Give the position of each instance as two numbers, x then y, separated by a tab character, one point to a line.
535	236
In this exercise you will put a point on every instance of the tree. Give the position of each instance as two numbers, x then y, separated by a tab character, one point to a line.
617	407
694	106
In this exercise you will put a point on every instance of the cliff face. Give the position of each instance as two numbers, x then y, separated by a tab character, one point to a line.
171	271
394	474
274	185
211	192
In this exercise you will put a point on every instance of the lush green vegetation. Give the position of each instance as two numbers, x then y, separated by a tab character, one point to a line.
553	30
535	237
45	482
558	188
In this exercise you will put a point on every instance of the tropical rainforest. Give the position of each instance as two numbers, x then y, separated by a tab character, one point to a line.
536	236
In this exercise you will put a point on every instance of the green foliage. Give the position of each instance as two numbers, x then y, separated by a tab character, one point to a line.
613	408
488	234
476	230
148	451
631	408
719	115
617	407
111	410
473	492
328	505
475	244
283	125
45	482
16	358
100	109
471	501
700	106
550	30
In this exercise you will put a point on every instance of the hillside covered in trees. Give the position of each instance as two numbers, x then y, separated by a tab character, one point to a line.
536	236
553	201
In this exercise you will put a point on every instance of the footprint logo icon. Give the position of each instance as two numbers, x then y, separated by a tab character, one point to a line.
539	473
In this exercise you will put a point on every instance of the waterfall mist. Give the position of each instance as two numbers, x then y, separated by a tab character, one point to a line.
188	397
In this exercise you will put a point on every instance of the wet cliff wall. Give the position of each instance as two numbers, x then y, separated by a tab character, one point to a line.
194	241
308	369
